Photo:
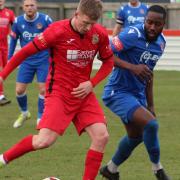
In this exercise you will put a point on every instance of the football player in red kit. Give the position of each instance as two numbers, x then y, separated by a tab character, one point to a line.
74	44
6	19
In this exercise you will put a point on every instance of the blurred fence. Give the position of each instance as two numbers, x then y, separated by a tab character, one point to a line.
59	10
171	57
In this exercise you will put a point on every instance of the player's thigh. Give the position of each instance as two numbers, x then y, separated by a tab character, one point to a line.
55	116
123	105
42	72
90	112
26	73
142	116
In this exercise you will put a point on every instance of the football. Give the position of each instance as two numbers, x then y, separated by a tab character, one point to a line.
51	178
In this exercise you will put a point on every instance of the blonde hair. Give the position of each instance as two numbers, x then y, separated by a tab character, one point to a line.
91	8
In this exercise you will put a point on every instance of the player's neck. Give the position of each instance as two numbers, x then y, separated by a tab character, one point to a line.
30	18
73	24
135	4
1	7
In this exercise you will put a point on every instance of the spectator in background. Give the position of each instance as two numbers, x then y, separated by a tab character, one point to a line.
6	19
25	28
129	15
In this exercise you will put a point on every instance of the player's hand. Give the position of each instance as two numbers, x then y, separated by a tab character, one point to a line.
151	109
82	90
142	71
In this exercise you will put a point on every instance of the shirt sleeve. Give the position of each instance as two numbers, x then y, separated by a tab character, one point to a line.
120	17
11	17
48	20
104	47
47	39
14	35
124	40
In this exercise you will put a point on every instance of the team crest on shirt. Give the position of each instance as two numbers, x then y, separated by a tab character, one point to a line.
162	45
142	11
7	13
95	38
39	26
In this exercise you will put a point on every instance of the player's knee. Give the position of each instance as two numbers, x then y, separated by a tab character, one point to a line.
20	91
152	126
101	139
42	91
41	143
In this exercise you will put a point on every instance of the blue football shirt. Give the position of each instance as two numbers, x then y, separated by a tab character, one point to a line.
131	46
25	30
129	16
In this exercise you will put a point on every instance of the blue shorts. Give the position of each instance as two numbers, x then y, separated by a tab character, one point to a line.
27	72
123	104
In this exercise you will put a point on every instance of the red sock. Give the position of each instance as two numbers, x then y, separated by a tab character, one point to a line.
22	147
92	164
1	89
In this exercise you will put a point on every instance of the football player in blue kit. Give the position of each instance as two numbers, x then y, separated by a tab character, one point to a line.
25	28
129	91
130	14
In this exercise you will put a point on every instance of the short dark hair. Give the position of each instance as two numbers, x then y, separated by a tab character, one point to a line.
157	9
91	8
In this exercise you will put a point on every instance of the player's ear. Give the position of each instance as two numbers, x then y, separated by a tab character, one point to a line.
76	13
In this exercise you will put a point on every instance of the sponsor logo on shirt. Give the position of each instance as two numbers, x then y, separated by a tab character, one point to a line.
70	41
80	58
132	19
117	43
28	36
79	55
146	56
4	22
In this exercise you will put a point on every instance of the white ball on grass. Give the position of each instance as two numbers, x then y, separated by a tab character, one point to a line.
51	178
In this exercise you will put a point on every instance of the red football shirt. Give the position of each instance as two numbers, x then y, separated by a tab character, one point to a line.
72	54
6	19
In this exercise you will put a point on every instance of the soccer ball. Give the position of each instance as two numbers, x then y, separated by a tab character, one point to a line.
51	178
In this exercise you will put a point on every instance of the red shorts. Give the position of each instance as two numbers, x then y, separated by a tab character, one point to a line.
3	57
59	112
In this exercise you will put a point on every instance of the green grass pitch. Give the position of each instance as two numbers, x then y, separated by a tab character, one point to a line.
65	159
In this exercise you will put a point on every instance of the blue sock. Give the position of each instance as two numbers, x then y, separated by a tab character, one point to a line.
151	141
40	106
125	148
22	101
